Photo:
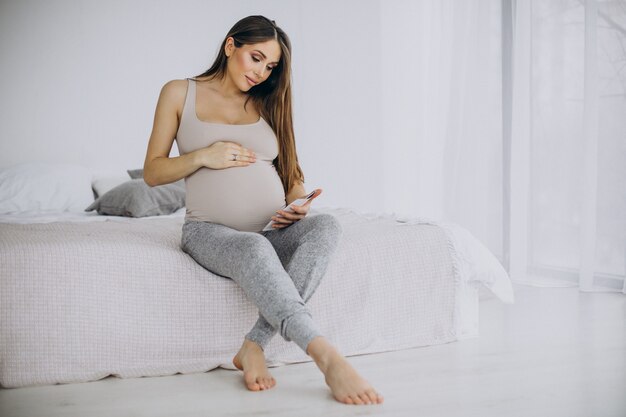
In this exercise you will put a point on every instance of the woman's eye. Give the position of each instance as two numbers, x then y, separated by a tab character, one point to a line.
258	60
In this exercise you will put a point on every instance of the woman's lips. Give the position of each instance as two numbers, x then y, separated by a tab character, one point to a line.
250	81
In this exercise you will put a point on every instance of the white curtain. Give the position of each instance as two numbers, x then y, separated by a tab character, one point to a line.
442	113
568	144
509	118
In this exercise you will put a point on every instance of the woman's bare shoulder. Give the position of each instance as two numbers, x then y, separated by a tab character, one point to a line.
175	87
173	94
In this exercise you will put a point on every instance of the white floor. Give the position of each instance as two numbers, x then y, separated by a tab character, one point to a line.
556	352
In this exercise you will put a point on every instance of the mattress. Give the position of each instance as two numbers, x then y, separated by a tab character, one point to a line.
83	297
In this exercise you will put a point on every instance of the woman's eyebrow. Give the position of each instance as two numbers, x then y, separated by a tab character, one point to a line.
276	62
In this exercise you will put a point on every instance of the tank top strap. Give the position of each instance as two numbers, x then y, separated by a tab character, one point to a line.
189	109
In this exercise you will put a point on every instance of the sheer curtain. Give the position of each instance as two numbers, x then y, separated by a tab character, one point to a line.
442	113
567	170
509	118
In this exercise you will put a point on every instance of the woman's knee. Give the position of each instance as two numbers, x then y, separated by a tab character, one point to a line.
254	246
328	223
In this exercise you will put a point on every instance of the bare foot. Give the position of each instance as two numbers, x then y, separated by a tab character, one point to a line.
251	360
344	381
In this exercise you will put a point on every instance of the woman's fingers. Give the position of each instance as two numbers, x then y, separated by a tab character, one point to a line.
303	209
251	156
286	218
244	156
295	215
280	225
280	222
246	153
279	218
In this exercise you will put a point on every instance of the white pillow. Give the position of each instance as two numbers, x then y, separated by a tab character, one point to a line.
103	184
35	187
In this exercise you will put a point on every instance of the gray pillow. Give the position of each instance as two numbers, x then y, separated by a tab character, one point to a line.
135	173
135	198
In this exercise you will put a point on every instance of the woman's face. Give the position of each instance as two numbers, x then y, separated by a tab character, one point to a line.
251	64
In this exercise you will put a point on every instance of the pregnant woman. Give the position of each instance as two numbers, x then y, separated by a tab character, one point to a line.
233	127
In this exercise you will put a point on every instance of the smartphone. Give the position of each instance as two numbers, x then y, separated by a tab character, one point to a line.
299	202
303	200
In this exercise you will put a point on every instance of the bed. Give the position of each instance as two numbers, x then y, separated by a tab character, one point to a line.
85	295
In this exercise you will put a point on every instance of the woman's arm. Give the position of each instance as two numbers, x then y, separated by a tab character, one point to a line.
158	168
297	191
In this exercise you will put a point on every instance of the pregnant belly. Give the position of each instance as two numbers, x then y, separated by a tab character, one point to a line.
244	198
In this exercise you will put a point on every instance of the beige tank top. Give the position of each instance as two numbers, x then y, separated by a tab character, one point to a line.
242	197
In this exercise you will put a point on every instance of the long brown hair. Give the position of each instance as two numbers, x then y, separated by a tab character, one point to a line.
273	96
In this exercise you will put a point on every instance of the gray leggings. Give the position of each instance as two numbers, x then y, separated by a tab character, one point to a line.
278	270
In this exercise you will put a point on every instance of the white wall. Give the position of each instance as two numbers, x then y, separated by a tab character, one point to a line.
396	102
80	81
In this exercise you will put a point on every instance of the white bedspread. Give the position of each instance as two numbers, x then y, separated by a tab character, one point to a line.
81	299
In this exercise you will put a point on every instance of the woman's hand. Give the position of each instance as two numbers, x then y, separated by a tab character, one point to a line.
219	155
285	218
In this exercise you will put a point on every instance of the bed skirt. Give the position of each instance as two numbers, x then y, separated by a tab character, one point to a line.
80	301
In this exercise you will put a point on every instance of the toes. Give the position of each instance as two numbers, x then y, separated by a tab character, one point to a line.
364	398
259	382
372	395
253	386
347	400
266	382
356	399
